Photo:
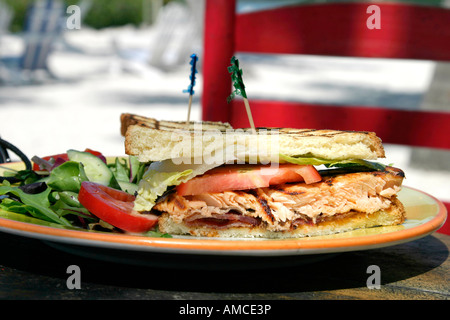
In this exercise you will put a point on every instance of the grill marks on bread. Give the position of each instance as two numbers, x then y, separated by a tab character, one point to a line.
152	140
128	119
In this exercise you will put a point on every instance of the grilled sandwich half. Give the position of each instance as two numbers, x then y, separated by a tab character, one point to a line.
208	179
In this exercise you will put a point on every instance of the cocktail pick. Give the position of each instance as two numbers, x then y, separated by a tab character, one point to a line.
190	89
239	89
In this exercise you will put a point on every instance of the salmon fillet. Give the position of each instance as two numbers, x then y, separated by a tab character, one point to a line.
288	206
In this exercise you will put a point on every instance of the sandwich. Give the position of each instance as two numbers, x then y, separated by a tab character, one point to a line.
207	179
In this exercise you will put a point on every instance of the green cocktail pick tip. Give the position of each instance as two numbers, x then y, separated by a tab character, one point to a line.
239	89
236	78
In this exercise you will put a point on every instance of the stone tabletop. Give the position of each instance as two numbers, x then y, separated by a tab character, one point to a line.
32	269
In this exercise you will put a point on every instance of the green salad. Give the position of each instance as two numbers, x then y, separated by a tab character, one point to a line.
48	193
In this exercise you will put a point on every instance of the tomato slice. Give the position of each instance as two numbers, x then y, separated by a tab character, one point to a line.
243	177
96	153
59	158
115	207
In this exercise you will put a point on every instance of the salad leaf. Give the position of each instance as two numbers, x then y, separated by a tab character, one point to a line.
23	176
127	173
137	169
120	171
67	177
157	234
37	205
24	218
66	202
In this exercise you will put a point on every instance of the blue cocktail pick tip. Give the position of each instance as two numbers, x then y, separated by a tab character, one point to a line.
194	59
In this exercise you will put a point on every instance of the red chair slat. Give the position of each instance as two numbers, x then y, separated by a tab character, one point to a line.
445	229
340	29
408	31
414	128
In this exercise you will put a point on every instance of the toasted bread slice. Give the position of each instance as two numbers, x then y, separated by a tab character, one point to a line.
353	220
153	140
129	119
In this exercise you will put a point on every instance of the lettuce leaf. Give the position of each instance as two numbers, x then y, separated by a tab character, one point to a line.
333	163
154	184
305	160
162	175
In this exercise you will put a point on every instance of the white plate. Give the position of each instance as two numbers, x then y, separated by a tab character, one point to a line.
424	215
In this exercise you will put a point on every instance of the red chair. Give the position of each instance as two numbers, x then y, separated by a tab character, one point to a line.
408	31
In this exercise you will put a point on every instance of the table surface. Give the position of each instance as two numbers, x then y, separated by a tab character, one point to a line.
32	269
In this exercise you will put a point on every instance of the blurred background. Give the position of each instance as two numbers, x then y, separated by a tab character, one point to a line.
102	58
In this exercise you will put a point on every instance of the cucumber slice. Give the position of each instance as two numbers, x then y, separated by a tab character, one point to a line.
96	170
